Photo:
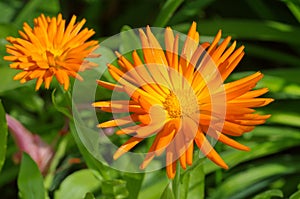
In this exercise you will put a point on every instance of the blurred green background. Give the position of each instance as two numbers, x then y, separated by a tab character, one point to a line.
270	31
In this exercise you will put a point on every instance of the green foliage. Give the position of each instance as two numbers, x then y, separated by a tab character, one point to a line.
76	185
134	183
89	196
269	194
30	180
168	193
166	12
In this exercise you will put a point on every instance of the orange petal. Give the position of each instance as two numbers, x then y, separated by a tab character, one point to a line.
208	150
110	86
132	142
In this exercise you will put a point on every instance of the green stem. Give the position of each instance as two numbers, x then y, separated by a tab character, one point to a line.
176	182
193	179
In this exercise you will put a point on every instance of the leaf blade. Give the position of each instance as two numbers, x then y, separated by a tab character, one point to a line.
30	179
166	12
3	136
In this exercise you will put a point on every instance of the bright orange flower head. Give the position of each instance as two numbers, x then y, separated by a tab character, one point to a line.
183	100
50	49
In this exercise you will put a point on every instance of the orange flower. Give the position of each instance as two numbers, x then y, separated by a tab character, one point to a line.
51	49
183	100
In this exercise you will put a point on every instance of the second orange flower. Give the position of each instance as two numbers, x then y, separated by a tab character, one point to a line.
51	49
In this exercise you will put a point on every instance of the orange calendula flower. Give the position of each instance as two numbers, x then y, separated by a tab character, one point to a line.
50	49
182	100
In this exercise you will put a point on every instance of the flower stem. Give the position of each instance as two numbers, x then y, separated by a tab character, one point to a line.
176	183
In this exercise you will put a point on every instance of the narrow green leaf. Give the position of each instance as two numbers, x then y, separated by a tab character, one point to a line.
241	28
261	9
189	9
295	195
264	140
195	181
269	194
168	193
254	175
30	180
284	112
3	135
176	184
166	12
294	8
289	75
282	83
59	153
272	54
76	185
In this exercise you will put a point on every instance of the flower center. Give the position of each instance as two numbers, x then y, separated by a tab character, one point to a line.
52	56
182	103
172	105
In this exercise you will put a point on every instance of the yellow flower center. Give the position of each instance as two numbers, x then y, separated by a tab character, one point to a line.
172	105
180	104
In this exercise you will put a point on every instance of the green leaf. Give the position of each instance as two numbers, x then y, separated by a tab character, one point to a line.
114	189
261	9
241	28
59	153
184	187
76	185
166	12
91	161
6	81
129	40
263	141
269	194
189	10
284	112
282	83
89	196
26	11
196	185
294	8
30	180
168	193
6	30
33	8
153	185
8	10
3	135
134	183
257	177
272	54
295	195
